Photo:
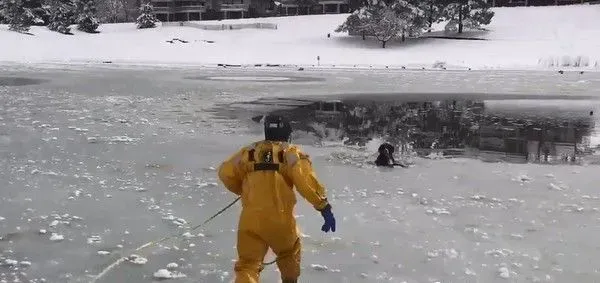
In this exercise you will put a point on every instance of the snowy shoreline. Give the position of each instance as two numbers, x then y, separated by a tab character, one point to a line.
523	39
7	65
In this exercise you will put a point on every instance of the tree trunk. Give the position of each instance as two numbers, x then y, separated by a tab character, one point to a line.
403	36
383	42
364	36
430	18
126	12
460	19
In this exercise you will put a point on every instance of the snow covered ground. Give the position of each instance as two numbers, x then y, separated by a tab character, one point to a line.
98	161
518	38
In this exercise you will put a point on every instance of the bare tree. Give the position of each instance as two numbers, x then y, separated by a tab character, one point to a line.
111	10
385	24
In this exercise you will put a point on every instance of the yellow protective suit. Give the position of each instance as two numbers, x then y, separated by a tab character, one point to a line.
264	174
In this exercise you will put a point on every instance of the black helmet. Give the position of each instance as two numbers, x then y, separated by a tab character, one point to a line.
277	128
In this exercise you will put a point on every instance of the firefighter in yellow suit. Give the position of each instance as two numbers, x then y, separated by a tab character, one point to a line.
264	175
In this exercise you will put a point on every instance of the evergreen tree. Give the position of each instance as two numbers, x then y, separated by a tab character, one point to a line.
433	10
40	14
62	15
3	19
18	17
147	19
467	13
86	16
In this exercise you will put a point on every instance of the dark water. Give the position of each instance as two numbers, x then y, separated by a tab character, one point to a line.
20	81
550	130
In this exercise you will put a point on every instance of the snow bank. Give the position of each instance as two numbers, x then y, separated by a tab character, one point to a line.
518	38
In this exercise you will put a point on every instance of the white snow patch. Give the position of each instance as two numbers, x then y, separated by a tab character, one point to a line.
103	252
94	240
523	178
188	235
206	184
172	266
438	211
555	187
503	272
10	262
124	139
517	236
56	237
137	259
166	274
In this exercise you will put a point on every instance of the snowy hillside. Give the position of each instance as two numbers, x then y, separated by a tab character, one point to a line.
533	37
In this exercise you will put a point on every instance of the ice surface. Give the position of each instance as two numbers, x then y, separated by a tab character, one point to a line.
419	224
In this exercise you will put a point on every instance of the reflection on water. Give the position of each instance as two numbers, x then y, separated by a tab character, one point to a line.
548	131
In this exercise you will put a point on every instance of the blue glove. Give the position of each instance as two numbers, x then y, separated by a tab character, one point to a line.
329	219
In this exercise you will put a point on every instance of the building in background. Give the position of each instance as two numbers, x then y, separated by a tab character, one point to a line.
292	7
179	10
513	3
194	10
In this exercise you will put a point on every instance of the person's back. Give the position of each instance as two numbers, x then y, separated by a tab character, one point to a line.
264	175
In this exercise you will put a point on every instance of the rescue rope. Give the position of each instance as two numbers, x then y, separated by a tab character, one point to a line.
163	239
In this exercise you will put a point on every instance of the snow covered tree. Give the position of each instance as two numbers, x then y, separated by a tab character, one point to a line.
387	20
3	10
384	23
358	22
61	17
355	5
411	16
467	13
18	17
86	16
433	10
147	19
39	12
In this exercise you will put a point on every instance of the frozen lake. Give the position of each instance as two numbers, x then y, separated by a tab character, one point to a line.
105	159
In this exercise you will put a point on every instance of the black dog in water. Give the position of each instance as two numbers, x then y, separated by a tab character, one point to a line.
386	156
